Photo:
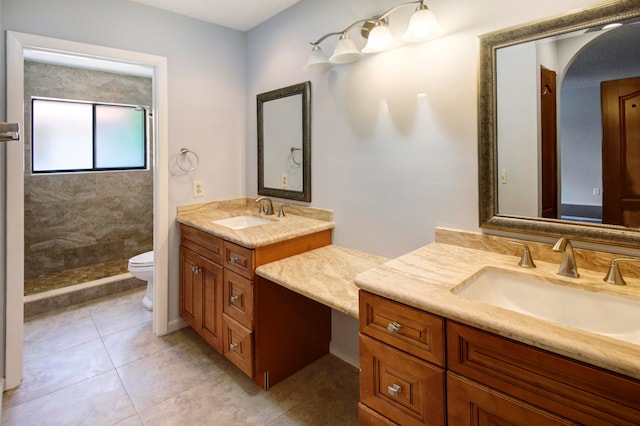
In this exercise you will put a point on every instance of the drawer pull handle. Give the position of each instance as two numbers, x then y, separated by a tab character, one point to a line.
394	390
233	346
394	327
233	259
234	299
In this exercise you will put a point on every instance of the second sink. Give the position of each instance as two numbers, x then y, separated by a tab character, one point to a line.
616	317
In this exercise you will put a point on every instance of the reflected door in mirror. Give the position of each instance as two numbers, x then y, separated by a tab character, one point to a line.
621	151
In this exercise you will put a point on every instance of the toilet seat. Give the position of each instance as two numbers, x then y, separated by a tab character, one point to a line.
143	260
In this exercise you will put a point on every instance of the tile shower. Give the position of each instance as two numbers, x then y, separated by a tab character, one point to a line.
82	227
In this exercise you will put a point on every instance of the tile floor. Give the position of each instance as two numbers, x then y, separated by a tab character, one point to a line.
98	364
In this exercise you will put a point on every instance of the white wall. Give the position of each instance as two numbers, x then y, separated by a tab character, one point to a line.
207	86
394	136
392	165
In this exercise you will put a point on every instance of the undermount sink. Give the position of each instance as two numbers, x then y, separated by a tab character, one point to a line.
242	222
612	316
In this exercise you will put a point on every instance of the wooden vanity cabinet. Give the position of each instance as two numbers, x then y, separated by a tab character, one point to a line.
490	380
219	296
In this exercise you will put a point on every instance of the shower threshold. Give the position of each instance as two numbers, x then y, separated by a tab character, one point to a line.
63	289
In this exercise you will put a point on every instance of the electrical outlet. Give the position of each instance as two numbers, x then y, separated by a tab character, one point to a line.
198	189
596	191
284	181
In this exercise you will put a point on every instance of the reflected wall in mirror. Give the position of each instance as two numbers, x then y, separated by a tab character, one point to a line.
552	159
284	142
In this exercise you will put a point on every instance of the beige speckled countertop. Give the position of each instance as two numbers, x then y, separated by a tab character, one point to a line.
298	221
324	275
424	279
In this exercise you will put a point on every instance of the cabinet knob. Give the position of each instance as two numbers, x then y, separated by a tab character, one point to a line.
195	270
233	259
394	390
233	346
234	299
394	327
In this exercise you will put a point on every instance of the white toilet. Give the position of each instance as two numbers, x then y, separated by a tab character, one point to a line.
141	266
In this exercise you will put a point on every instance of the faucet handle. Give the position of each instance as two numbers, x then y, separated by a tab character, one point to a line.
525	261
614	276
281	211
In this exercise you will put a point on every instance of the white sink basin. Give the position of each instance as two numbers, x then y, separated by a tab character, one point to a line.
242	222
616	317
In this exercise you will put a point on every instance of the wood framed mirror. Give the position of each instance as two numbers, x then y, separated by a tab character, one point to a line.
500	132
284	142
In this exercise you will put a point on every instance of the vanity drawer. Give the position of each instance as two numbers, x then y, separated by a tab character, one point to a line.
400	387
575	390
238	298
408	329
202	243
239	259
238	344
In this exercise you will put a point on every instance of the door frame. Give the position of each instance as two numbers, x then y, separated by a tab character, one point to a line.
16	43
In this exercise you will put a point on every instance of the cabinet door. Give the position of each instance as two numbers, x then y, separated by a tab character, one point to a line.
211	323
469	403
201	296
190	288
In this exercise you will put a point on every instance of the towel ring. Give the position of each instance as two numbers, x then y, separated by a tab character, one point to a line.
292	156
183	155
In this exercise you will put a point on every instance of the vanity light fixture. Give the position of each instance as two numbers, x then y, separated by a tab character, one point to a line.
422	26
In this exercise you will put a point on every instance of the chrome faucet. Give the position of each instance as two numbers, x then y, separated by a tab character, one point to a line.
525	261
269	210
568	267
614	276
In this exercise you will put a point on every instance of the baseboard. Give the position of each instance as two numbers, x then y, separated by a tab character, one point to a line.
176	325
344	354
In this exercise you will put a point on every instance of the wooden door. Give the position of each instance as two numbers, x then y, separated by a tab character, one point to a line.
621	151
549	153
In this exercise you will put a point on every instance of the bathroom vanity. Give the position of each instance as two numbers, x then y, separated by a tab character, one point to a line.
431	357
259	326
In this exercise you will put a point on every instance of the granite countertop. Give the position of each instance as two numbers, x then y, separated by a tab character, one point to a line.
298	221
325	275
424	279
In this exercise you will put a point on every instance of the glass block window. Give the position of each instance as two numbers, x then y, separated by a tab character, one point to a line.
69	136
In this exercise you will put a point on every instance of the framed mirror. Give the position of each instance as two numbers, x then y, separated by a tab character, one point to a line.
284	142
531	167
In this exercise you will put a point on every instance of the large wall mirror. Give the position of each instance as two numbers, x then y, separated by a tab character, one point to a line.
559	126
284	142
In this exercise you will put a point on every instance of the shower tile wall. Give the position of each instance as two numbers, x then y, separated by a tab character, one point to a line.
79	219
